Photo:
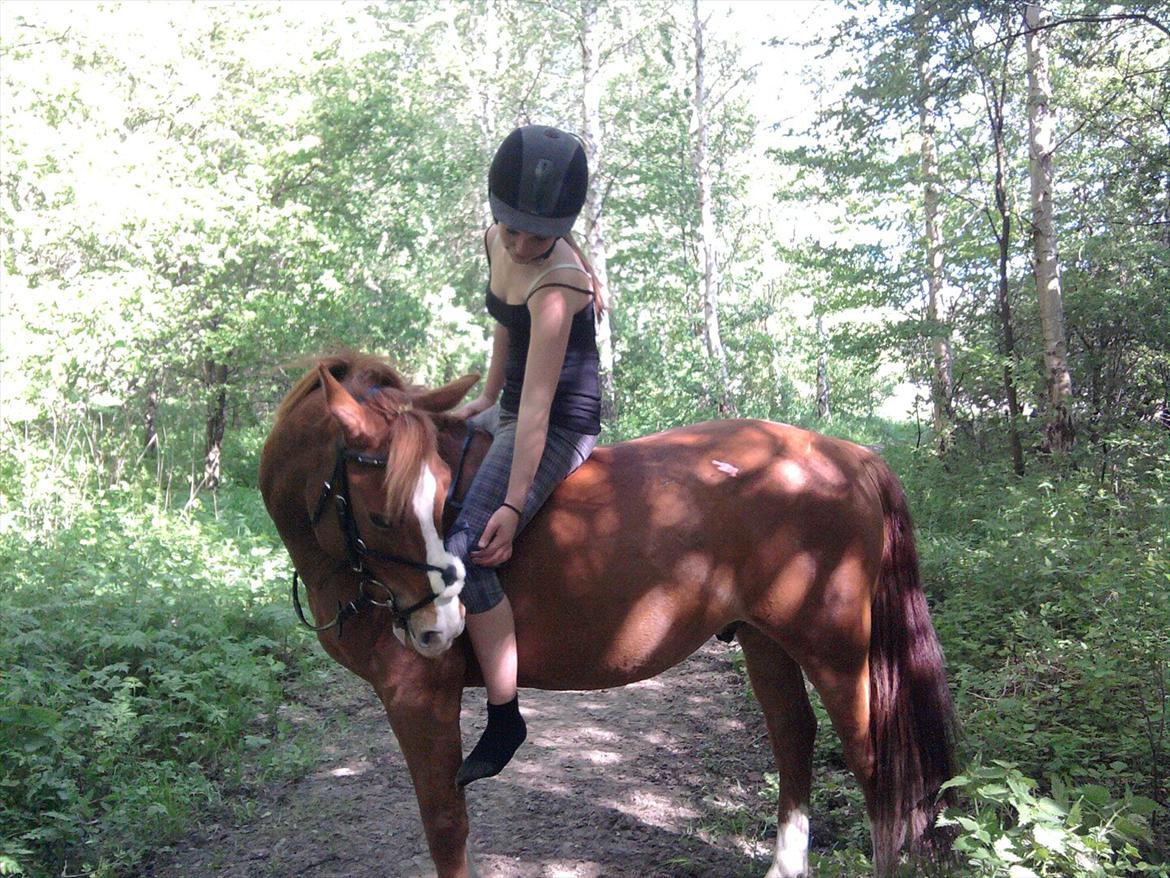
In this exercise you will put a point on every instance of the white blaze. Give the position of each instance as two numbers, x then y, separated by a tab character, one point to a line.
448	618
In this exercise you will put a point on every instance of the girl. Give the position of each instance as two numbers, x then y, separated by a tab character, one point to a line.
545	300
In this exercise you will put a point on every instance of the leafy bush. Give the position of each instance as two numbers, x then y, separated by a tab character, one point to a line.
143	650
1006	828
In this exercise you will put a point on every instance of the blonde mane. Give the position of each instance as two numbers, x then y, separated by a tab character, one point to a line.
413	439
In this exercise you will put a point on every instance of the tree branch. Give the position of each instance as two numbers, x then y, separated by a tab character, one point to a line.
743	74
57	39
1094	19
604	55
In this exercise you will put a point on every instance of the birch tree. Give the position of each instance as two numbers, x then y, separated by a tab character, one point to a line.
1059	432
592	86
942	382
708	246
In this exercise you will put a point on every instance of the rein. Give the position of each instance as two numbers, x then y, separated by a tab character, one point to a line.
337	486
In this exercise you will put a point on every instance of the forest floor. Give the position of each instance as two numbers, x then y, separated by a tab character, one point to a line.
659	778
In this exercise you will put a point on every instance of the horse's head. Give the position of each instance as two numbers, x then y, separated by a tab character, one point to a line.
388	488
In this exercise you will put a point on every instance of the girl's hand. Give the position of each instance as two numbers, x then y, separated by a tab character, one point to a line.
473	408
495	545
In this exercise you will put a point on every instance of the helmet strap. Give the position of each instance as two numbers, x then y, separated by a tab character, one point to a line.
547	253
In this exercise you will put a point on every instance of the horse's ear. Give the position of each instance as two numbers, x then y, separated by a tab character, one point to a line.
354	418
445	398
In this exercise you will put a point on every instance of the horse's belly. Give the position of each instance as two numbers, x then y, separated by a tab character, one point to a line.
611	637
601	665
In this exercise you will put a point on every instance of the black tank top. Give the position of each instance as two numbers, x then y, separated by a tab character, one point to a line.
577	403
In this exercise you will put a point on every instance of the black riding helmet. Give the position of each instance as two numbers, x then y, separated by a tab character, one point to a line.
537	181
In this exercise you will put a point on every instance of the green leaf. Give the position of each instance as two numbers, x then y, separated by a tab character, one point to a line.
1051	839
1141	805
958	780
1096	794
1003	847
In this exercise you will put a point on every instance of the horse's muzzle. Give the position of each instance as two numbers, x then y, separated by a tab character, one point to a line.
431	637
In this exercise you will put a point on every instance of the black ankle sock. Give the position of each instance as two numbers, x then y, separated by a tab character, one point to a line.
505	732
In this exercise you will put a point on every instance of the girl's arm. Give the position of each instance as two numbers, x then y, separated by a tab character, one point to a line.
552	318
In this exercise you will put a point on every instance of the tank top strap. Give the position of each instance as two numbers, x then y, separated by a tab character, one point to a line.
550	270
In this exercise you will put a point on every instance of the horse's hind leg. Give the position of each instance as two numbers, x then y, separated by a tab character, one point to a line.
779	686
842	681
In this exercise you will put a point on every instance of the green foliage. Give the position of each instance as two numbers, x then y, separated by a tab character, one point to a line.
145	652
1005	827
1074	571
1072	679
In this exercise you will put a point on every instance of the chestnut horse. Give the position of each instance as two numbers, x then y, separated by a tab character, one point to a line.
638	558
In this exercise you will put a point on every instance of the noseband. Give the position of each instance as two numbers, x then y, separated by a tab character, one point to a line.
337	486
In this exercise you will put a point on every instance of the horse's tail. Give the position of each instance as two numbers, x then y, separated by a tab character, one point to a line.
911	720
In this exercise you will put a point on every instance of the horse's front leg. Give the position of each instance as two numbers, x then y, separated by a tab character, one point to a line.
426	724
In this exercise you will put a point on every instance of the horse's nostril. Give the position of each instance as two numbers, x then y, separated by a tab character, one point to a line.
428	637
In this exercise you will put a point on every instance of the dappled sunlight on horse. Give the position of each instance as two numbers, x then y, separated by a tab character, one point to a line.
648	550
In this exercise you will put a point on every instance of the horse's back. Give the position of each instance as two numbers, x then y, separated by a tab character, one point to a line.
741	456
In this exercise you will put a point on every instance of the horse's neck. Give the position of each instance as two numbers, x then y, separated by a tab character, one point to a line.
454	437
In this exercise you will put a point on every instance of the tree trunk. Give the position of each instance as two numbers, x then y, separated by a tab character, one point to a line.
823	395
592	87
149	423
215	379
1059	432
994	97
709	291
1007	337
942	380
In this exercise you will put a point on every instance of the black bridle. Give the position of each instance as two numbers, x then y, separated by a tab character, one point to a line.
337	486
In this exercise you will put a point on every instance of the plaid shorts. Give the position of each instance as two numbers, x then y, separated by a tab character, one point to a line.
564	451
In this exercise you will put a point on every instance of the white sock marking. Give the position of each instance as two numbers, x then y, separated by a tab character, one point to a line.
791	859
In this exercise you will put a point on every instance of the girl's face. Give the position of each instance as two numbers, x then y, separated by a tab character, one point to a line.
522	246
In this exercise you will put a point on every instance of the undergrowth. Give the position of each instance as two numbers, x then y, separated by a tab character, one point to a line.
145	649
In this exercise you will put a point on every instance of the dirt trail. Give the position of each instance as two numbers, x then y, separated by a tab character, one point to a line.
644	781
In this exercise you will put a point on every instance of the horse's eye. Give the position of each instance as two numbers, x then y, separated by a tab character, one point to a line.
381	521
